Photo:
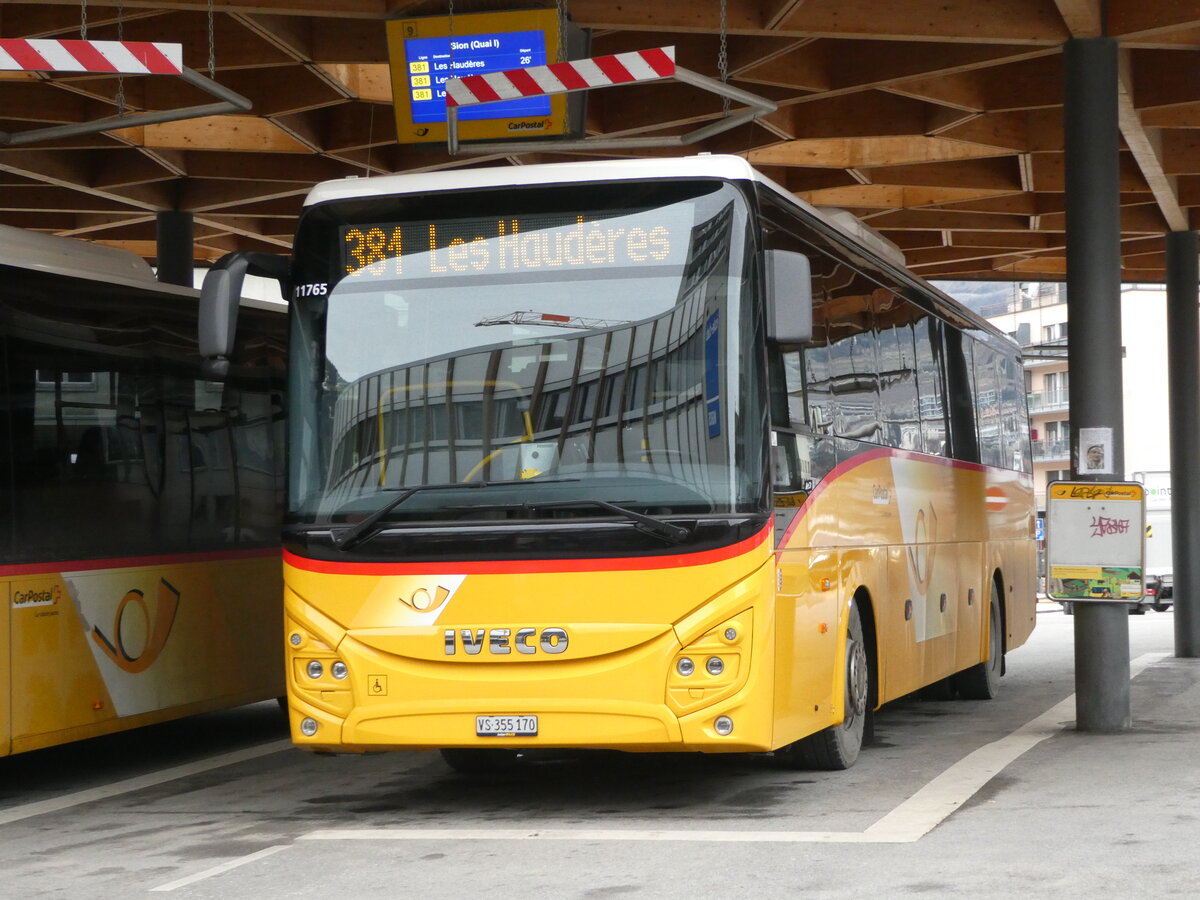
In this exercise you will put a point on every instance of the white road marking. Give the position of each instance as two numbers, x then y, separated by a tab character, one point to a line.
91	795
908	822
223	867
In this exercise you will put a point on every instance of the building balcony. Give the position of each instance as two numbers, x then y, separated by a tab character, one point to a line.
1051	451
1049	401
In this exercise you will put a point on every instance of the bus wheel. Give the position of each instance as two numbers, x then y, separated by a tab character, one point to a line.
479	762
837	746
982	680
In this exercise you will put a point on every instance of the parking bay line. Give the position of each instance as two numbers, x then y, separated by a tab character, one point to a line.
129	785
907	823
221	869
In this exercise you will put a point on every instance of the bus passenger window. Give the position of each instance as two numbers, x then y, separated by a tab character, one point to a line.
930	387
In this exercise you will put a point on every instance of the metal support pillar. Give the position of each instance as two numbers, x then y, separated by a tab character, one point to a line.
175	247
1092	137
1183	382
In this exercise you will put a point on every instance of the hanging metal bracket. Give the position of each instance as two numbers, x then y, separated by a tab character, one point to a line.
112	58
637	67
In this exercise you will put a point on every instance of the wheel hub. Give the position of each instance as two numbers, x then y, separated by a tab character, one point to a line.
857	683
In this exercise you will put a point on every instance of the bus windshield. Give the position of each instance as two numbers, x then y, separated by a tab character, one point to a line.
544	343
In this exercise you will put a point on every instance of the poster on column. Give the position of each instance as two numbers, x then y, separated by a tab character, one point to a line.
1095	544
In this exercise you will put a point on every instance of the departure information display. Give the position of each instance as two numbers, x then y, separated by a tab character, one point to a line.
433	60
426	52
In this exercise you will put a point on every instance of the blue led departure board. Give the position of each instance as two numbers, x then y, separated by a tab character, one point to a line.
433	60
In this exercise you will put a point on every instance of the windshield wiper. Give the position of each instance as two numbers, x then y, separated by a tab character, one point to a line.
345	538
676	534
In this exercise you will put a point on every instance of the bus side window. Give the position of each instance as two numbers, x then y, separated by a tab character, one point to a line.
930	389
987	406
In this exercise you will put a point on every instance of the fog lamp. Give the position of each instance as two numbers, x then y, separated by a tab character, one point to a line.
308	727
723	725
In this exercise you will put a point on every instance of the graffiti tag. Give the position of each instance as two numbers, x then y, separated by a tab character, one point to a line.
1103	525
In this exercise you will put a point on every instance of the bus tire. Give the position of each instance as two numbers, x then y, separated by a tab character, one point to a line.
479	762
982	680
837	747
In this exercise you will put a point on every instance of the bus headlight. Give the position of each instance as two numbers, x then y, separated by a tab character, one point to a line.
339	670
685	666
714	666
315	669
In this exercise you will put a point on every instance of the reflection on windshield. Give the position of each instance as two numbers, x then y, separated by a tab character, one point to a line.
498	365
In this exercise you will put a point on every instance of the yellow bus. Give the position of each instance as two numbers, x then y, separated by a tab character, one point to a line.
643	455
140	561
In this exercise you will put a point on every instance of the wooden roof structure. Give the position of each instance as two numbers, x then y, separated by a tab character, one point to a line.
939	122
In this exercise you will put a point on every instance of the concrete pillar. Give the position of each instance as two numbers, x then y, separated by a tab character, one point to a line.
1092	135
175	247
1183	382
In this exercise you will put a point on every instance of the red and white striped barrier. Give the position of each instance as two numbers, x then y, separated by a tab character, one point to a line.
560	78
101	57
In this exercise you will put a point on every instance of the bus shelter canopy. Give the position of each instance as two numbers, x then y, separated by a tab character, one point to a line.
938	123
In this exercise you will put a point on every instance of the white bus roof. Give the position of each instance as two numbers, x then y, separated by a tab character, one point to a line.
70	256
76	258
733	168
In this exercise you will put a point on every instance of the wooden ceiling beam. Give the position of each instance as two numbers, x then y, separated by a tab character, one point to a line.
1032	83
94	224
891	196
241	133
1006	240
279	168
1049	173
1017	21
43	20
1145	144
866	153
283	90
200	196
1083	18
74	170
247	227
1000	173
369	9
1161	78
1137	19
937	219
864	114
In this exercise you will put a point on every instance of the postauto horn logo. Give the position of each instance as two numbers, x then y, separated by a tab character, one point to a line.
158	622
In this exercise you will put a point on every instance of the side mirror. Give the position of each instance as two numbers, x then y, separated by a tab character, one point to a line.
789	297
220	296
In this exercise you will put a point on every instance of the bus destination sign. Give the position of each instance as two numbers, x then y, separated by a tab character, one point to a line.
505	244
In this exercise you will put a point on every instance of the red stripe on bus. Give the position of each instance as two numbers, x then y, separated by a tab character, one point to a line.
530	566
131	562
